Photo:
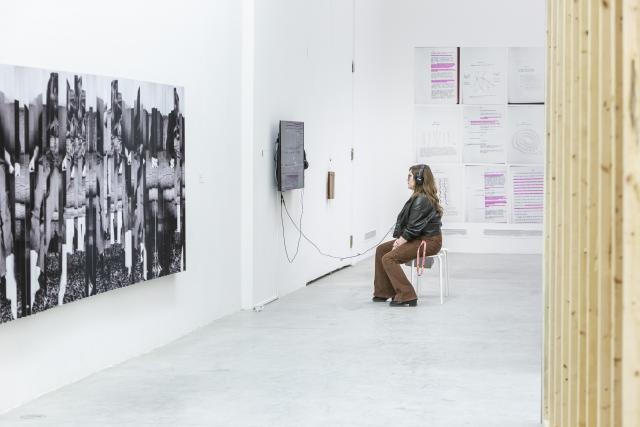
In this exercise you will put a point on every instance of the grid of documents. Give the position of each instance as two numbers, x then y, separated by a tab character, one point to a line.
479	123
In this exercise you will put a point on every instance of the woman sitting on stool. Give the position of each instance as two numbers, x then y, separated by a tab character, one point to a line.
418	221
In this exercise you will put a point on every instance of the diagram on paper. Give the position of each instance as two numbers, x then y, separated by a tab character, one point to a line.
527	141
437	134
481	83
484	75
525	127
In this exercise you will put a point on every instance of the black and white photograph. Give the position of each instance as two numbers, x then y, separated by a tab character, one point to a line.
92	188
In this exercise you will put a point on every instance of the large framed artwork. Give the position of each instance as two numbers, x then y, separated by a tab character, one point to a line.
92	186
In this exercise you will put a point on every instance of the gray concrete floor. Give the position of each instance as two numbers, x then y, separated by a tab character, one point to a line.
327	356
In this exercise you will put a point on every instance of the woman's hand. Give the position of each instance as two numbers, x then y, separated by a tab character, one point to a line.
399	242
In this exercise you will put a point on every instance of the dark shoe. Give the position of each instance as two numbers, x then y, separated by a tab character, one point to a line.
379	299
411	303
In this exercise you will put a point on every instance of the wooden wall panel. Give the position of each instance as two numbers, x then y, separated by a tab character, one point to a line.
584	49
574	212
617	255
565	186
605	141
630	298
592	214
549	265
592	219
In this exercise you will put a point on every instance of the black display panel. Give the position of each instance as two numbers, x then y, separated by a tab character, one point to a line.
290	156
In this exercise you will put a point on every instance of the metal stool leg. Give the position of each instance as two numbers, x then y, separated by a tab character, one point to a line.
446	267
441	278
411	268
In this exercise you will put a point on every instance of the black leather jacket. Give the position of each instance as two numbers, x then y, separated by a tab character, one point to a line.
417	218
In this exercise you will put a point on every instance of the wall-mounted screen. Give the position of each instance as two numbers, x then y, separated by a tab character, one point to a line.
290	156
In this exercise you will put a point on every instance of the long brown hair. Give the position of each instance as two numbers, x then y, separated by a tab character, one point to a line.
428	187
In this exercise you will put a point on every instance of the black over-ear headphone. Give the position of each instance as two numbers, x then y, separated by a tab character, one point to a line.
419	178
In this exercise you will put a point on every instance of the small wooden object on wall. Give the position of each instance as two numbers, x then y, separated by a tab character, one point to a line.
331	181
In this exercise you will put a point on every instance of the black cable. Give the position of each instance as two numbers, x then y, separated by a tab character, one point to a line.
284	239
299	228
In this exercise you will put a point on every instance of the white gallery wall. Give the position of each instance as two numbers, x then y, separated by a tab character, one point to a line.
386	33
303	52
195	44
302	71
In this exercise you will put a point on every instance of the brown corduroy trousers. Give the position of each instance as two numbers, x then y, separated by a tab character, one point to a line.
390	281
